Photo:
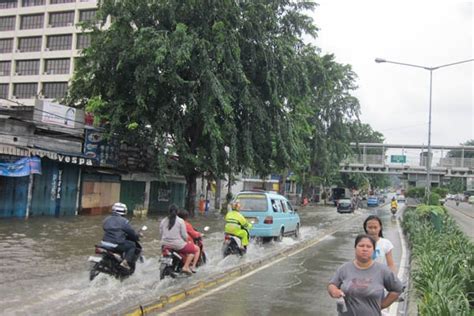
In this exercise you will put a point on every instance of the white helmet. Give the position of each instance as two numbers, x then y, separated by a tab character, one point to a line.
119	208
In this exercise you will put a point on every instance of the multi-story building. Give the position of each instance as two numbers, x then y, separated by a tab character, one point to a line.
39	42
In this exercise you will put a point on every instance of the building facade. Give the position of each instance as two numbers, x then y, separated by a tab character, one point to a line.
39	43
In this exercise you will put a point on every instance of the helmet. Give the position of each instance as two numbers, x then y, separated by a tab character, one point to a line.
236	206
119	208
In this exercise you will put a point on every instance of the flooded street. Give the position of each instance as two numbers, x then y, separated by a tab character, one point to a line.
44	268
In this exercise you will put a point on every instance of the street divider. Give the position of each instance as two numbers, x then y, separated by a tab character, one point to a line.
202	286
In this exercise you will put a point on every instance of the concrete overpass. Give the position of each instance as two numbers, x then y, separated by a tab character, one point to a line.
410	161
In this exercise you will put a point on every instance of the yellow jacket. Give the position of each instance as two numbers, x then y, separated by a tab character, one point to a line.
394	204
235	221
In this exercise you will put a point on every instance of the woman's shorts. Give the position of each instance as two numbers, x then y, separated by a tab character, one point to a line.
190	248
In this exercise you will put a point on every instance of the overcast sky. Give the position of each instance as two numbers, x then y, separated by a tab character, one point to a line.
395	99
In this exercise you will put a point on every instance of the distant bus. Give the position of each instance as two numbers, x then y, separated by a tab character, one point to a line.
340	193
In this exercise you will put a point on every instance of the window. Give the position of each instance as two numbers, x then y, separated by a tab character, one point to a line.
276	206
8	4
35	21
87	15
29	44
59	42
4	90
283	205
83	41
54	90
7	23
31	3
25	90
5	67
59	19
27	67
57	66
6	45
62	1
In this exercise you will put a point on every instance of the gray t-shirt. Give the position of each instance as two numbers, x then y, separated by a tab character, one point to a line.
176	236
364	288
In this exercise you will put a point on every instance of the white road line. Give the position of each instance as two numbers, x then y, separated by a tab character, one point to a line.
402	267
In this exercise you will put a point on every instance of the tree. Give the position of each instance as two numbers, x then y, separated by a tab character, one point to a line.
202	75
456	153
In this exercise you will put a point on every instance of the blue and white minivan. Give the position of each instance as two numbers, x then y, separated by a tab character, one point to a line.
272	214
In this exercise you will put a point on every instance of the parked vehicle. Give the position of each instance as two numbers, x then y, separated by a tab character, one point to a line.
372	201
172	262
345	206
470	200
109	260
271	214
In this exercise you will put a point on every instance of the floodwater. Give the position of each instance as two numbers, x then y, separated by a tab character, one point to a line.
44	267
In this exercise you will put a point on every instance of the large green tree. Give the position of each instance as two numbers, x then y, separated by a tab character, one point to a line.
192	77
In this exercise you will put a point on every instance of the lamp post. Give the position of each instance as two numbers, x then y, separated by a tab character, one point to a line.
430	69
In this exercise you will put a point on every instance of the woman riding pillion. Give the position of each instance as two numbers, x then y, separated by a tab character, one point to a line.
237	225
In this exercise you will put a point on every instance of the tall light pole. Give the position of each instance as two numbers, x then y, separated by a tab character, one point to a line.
430	69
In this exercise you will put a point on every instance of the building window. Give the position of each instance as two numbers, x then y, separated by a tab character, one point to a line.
25	90
4	90
6	45
83	41
5	67
54	90
35	21
61	1
7	23
57	66
31	3
29	44
8	4
87	15
27	67
59	42
59	19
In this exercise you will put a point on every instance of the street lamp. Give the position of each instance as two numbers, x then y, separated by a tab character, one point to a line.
430	69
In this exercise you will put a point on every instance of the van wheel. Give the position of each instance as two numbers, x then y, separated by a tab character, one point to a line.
280	237
297	231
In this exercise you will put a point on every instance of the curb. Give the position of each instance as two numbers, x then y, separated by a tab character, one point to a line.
226	276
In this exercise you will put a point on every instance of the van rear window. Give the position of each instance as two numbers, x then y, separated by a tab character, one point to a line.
252	202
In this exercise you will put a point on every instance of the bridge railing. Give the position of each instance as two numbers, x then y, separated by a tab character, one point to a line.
457	163
365	160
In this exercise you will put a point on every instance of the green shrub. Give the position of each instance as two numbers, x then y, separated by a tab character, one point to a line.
443	261
433	199
416	193
442	192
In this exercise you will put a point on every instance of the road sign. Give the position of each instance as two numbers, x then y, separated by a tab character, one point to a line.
398	158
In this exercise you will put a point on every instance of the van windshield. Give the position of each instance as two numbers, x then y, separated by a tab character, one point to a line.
252	202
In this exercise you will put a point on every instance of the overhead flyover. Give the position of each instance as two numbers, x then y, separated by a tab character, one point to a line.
410	161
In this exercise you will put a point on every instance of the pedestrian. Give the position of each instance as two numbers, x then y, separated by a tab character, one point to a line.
361	282
383	248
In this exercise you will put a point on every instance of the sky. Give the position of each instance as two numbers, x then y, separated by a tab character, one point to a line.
394	99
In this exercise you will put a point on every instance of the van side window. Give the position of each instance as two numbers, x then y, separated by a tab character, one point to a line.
276	206
283	205
288	205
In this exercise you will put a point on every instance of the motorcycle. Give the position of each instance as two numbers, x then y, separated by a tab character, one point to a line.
232	246
393	210
172	262
109	260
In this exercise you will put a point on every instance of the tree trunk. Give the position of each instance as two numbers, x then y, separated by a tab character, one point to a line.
191	194
282	182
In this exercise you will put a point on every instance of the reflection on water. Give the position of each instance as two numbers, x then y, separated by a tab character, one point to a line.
44	268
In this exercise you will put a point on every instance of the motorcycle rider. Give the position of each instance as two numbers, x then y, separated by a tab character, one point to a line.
117	230
237	225
393	203
192	235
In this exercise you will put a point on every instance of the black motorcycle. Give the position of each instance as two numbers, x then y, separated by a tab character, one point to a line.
172	262
232	246
109	260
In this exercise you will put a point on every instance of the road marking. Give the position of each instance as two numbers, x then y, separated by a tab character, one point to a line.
402	267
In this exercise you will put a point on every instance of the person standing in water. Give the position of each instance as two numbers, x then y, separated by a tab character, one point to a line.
383	249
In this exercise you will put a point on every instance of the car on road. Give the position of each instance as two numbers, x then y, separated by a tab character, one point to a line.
470	200
345	206
271	214
401	198
372	201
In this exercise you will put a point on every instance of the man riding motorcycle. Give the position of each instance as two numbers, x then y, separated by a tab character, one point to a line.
394	204
117	230
237	225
